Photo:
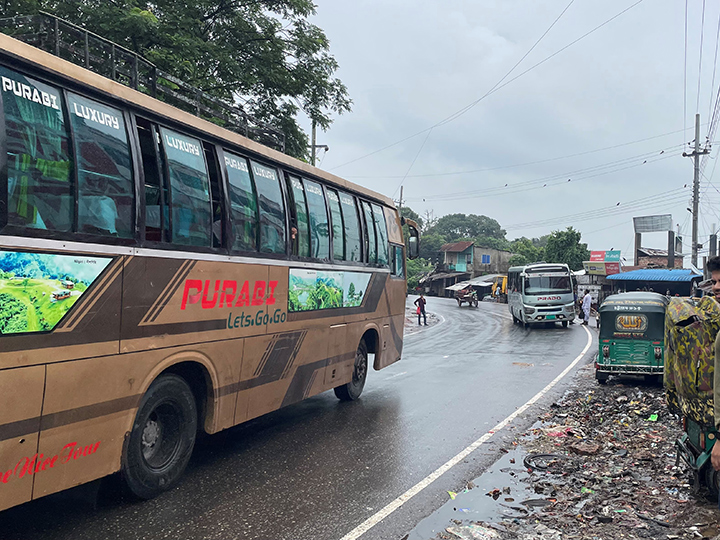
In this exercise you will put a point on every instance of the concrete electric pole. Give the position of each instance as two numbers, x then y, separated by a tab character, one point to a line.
314	147
696	189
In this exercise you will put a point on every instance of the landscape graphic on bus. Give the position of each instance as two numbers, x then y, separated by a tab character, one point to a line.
319	289
37	290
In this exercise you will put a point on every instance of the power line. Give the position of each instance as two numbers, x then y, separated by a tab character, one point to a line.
413	161
495	89
558	158
549	181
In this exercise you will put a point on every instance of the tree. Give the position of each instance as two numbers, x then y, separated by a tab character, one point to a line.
526	251
454	226
430	244
417	268
263	55
565	247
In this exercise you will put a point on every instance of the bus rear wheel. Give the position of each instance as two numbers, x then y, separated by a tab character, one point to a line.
162	438
352	390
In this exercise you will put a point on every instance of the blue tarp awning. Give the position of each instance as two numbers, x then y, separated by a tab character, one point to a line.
656	274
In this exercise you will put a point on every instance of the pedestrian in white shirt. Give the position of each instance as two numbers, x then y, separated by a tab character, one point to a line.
586	302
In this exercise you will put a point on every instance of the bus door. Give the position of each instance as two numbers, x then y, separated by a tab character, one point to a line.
21	405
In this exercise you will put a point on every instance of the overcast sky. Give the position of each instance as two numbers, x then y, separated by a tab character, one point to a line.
409	64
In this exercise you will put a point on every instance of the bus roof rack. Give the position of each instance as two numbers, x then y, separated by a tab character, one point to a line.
95	53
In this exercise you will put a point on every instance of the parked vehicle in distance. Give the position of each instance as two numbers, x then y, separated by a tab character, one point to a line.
499	289
541	293
631	336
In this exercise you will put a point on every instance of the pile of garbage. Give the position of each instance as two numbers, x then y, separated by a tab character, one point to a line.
601	464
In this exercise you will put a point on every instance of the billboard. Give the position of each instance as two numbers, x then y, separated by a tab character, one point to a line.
647	224
601	268
605	256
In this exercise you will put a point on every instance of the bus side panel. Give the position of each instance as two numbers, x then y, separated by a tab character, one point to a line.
281	369
90	406
21	396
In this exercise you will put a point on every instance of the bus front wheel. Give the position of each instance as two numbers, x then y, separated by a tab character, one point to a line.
162	438
352	390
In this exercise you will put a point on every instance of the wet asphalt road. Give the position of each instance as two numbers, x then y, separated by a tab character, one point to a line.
318	469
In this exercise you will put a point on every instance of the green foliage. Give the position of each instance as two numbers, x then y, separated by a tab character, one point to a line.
454	226
491	242
565	247
526	252
430	244
409	213
415	270
13	315
262	53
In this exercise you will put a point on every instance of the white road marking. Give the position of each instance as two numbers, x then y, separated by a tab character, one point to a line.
396	375
373	520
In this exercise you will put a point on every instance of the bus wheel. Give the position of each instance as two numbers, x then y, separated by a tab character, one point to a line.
565	323
162	438
352	390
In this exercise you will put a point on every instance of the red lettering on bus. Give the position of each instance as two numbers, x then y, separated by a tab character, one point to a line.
271	291
226	298
210	304
38	463
244	296
69	447
259	293
195	284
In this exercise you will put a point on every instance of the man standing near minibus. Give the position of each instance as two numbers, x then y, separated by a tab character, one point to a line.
586	303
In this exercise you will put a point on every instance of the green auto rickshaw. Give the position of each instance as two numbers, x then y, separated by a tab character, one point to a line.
631	340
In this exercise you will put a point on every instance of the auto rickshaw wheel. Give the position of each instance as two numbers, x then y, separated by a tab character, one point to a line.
601	377
459	302
712	481
475	303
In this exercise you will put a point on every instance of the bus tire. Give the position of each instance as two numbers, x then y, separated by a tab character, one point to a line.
352	390
162	438
565	324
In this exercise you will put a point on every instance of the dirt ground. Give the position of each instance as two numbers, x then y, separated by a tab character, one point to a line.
598	464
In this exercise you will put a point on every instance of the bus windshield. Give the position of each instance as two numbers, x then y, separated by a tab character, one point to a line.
547	284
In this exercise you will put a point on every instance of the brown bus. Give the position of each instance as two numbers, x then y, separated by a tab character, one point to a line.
213	280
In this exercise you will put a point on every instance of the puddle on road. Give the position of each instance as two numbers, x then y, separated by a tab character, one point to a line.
500	493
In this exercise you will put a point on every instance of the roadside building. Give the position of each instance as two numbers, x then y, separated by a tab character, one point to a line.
661	280
463	261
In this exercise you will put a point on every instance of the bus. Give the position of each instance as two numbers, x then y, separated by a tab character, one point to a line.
214	280
541	293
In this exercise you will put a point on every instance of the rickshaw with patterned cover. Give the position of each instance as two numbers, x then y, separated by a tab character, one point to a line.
691	327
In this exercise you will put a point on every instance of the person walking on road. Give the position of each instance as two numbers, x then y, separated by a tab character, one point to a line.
420	303
586	303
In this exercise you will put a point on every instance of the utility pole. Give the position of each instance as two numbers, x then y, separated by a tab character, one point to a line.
314	146
400	203
696	189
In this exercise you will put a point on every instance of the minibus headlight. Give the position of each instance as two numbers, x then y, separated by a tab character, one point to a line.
606	351
529	310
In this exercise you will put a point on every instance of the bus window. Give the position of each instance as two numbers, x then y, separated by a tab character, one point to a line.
272	211
352	227
398	261
301	244
105	180
216	196
39	163
337	225
381	228
190	190
243	204
370	225
319	227
156	192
